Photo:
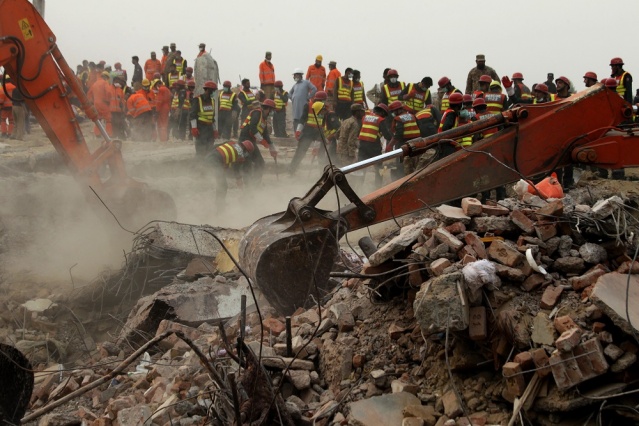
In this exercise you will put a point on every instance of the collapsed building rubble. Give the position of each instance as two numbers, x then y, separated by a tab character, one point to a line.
485	314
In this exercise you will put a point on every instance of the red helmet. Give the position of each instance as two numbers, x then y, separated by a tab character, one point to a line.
478	101
321	96
591	75
564	79
279	83
210	85
616	61
248	145
485	79
467	98
541	87
456	98
395	105
610	83
180	83
226	84
189	69
383	107
443	81
190	83
392	73
518	76
269	103
157	75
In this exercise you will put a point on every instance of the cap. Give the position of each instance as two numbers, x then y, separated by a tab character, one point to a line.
172	44
165	47
268	53
319	58
357	107
332	63
480	57
201	45
135	57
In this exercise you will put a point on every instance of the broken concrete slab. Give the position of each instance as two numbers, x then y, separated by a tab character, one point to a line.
441	302
381	410
450	214
609	295
406	238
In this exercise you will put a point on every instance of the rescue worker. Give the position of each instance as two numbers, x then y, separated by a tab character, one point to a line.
316	73
267	76
19	110
370	145
172	76
117	106
223	158
403	128
590	79
94	75
279	117
624	79
140	113
332	124
565	175
163	61
6	108
246	98
541	94
392	89
563	87
100	94
428	120
202	118
347	142
152	66
167	62
446	88
472	82
619	174
484	86
450	120
358	90
417	95
163	100
518	92
496	101
255	129
552	89
300	94
180	63
228	104
180	109
308	129
138	76
188	76
344	94
331	81
119	72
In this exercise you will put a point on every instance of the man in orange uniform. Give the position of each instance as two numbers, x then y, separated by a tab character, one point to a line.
267	76
163	108
331	81
100	94
6	109
140	113
117	108
152	66
316	73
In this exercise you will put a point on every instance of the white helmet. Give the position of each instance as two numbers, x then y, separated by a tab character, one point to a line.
298	71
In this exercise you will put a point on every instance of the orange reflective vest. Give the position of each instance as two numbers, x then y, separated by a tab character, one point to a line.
411	131
228	153
175	103
370	131
267	73
392	93
445	102
261	125
424	114
488	132
344	90
137	104
6	100
494	102
466	140
226	100
317	76
331	80
117	99
525	92
358	92
417	98
152	66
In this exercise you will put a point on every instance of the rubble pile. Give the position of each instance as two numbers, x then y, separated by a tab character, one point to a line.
473	315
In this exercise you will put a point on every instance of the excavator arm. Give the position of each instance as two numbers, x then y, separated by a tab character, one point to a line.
300	245
30	55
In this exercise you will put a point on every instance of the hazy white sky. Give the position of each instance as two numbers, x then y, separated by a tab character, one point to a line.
418	38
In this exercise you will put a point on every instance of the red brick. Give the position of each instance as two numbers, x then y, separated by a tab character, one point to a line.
541	361
439	265
477	329
584	362
598	327
588	279
477	244
359	360
624	268
555	208
569	340
550	297
466	251
447	238
545	230
596	357
494	210
456	228
274	325
564	323
471	206
468	259
415	278
504	254
522	221
524	359
514	379
565	370
533	282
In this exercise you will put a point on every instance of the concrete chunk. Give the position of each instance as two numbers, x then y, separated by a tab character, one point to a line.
406	238
382	410
609	294
442	302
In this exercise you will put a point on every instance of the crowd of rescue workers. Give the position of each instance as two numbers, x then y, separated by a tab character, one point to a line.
331	111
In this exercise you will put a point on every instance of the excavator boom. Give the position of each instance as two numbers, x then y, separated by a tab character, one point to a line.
299	246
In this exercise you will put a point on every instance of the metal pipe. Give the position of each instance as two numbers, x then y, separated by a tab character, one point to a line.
370	161
289	338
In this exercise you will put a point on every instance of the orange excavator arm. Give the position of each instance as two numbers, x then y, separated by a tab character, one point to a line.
30	55
300	245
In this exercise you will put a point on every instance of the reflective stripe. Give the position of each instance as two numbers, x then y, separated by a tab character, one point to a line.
226	100
489	132
392	93
267	73
311	121
261	125
417	102
137	104
494	102
344	90
206	113
525	91
424	114
179	66
370	128
445	102
411	131
358	92
228	153
621	89
279	103
250	97
466	140
173	78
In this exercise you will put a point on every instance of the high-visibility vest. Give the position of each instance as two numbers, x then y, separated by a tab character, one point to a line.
525	91
552	98
358	92
417	102
489	132
179	65
249	96
466	140
370	128
137	104
279	103
117	99
411	130
445	101
206	114
392	93
424	114
175	103
8	103
228	153
311	121
261	125
173	78
621	89
494	102
344	90
226	100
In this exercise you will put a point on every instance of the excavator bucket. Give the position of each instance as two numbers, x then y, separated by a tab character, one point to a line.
290	259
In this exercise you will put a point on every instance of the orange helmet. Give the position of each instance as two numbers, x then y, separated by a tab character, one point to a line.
610	83
616	61
456	98
467	98
191	83
210	85
564	79
395	105
443	81
591	75
518	76
392	73
321	96
478	102
268	103
382	107
279	83
226	84
180	83
486	79
542	88
248	145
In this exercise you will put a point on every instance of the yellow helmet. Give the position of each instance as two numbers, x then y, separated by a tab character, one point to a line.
146	82
318	107
495	83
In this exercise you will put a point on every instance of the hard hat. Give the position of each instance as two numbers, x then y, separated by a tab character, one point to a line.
226	84
106	74
317	107
443	81
518	76
395	105
611	83
495	83
279	83
248	145
180	83
190	83
564	79
456	98
189	69
319	58
478	102
467	98
157	75
541	87
391	73
269	103
357	107
298	71
146	82
616	61
382	107
591	75
485	79
210	85
320	96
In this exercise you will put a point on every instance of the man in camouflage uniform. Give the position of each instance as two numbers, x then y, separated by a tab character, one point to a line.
472	82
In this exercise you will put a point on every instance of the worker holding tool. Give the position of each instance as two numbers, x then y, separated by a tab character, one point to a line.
309	129
228	104
222	158
202	117
279	117
255	129
404	128
347	143
417	95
